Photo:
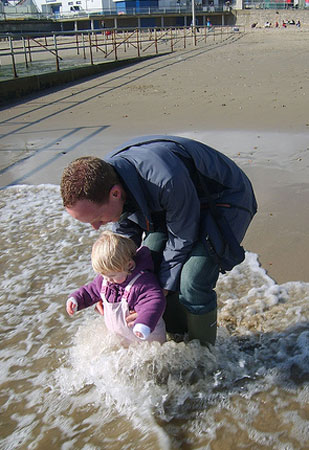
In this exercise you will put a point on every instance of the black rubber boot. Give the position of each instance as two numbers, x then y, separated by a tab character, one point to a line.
203	327
175	315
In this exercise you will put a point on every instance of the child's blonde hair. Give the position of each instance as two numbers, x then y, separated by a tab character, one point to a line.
112	252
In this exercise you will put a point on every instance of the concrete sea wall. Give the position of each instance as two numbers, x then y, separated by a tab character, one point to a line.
260	16
19	87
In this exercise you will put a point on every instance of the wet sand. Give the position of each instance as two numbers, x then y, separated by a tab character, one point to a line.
247	97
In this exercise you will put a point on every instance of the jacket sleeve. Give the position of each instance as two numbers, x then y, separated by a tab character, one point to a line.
180	201
150	303
89	294
128	229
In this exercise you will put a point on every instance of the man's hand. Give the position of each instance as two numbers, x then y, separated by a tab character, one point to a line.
99	307
130	319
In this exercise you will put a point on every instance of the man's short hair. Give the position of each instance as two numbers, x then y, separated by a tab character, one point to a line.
87	178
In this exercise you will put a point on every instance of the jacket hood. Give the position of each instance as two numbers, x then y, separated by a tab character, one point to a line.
143	260
123	166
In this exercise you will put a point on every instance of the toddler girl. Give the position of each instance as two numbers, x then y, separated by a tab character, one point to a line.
125	282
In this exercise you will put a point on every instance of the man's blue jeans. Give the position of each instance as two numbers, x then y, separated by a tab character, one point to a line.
198	278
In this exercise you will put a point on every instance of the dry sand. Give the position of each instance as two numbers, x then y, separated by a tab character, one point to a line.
247	97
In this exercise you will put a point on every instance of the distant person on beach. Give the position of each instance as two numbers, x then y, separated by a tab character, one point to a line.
188	203
196	25
125	282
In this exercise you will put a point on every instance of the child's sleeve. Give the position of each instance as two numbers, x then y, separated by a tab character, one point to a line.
87	295
141	331
150	303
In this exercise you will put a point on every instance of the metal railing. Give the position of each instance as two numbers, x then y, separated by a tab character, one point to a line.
28	55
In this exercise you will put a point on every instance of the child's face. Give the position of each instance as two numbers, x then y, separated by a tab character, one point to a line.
119	277
116	277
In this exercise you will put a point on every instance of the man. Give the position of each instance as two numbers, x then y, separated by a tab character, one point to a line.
171	192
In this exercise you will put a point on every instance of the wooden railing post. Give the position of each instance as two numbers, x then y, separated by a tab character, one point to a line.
13	57
156	41
29	50
125	42
77	44
56	53
25	52
90	49
84	47
115	44
137	43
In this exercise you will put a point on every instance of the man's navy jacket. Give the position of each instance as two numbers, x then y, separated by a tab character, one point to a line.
161	176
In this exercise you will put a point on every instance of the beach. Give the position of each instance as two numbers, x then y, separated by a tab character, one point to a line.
68	383
247	97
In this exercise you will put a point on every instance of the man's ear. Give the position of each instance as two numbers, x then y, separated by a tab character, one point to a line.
115	192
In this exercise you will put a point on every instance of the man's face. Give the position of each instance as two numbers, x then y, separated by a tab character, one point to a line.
97	214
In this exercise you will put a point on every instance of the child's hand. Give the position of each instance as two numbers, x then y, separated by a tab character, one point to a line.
99	307
139	335
71	306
